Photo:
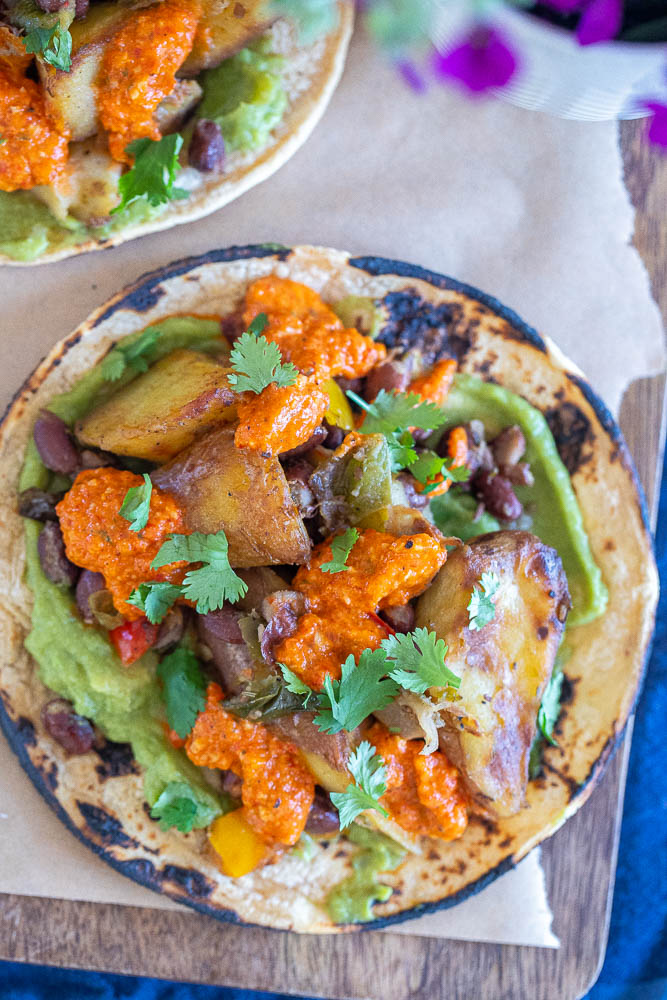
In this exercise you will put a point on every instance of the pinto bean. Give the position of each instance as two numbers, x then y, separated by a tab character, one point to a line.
51	550
498	496
401	618
509	446
54	444
282	609
519	474
72	731
317	437
38	504
412	495
323	815
392	376
89	583
207	147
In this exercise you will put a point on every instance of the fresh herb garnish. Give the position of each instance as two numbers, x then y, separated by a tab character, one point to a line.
416	661
137	504
130	356
154	599
341	547
53	44
257	362
175	807
481	609
184	689
215	582
370	783
428	466
295	684
549	710
393	414
362	689
154	171
265	697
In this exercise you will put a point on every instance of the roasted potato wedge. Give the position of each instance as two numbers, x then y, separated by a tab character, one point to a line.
504	666
161	412
220	486
225	27
87	187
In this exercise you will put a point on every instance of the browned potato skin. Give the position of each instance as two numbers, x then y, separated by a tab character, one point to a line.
225	27
161	412
220	486
505	666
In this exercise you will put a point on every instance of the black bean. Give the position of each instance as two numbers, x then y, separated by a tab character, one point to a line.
412	495
54	444
323	816
335	436
89	583
89	459
392	376
81	8
51	549
207	147
72	731
38	504
317	437
498	496
231	783
353	384
401	618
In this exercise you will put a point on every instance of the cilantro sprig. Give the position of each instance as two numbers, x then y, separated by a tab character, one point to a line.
137	503
369	772
481	608
175	807
257	362
155	599
393	414
341	547
215	581
428	466
133	357
363	688
153	173
184	689
417	661
53	44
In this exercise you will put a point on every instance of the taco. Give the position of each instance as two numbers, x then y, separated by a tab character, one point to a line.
327	586
124	117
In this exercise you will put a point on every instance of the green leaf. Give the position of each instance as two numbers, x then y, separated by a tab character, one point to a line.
481	609
295	684
549	710
136	505
429	466
257	362
175	807
392	411
361	690
419	659
53	44
401	449
265	698
215	582
370	776
153	174
184	689
341	546
134	356
154	599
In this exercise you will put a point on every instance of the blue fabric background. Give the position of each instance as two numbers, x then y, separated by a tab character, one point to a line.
635	967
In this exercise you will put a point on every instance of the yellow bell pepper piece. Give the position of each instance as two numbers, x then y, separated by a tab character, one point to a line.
239	848
339	413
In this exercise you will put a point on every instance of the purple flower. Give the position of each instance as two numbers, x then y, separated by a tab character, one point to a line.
657	130
411	75
600	21
481	61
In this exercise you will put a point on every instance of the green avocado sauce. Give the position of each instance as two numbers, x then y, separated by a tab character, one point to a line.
245	95
551	501
352	901
77	661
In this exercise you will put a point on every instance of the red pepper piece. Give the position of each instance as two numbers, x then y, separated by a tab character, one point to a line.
132	639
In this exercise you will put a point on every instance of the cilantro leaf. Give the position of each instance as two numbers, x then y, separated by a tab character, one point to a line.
154	599
154	171
428	466
341	547
295	684
53	44
215	582
401	449
549	710
175	807
393	411
257	362
361	690
481	609
416	661
136	505
370	776
132	356
184	689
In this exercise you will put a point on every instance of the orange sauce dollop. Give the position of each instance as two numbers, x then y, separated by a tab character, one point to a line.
424	793
383	571
277	790
139	70
99	539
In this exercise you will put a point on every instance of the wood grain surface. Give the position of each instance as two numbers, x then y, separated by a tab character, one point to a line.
579	860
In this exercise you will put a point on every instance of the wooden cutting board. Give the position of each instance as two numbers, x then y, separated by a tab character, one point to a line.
579	860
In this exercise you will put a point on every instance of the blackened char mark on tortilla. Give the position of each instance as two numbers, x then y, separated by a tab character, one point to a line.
573	435
26	731
434	329
147	290
116	759
106	828
194	883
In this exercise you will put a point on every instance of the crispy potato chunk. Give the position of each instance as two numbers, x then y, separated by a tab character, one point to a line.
162	411
225	27
242	492
504	666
